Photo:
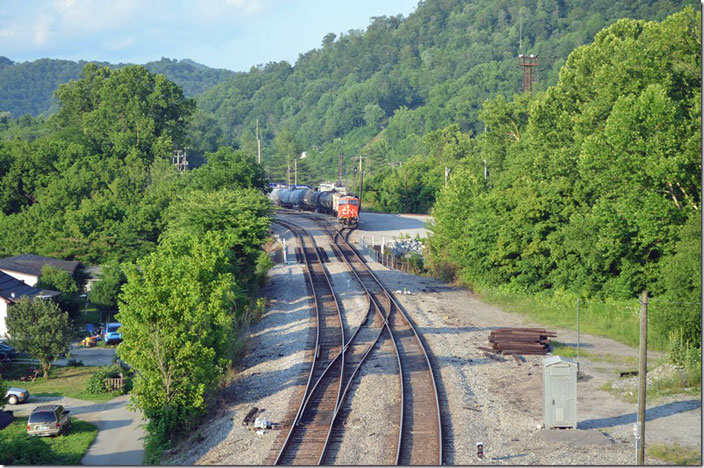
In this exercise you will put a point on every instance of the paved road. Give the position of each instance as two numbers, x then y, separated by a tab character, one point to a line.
119	440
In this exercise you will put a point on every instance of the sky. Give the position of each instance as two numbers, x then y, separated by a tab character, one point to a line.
232	34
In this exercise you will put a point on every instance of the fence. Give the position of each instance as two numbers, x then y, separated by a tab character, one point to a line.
388	261
115	384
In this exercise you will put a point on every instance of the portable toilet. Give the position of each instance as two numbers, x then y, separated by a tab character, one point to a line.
560	392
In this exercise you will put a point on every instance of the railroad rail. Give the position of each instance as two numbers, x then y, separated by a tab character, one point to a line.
418	435
420	438
303	438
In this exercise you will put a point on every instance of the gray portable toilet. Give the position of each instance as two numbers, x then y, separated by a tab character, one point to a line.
559	392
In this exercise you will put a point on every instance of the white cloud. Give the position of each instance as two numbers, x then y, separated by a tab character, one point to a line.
248	7
7	33
120	44
95	16
42	30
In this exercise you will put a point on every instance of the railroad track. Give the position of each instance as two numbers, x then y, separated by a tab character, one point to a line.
420	440
418	434
303	438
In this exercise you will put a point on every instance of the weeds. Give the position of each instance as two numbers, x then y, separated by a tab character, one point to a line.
571	352
675	454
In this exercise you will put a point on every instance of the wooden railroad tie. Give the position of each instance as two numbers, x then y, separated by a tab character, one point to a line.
517	341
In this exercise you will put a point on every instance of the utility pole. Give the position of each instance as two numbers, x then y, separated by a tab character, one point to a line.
447	174
295	172
528	63
288	172
361	185
259	146
642	381
339	169
360	173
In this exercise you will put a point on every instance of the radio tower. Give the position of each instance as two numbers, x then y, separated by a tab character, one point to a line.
528	63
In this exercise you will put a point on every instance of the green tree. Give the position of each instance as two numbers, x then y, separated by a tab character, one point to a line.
104	292
228	168
177	312
56	279
125	112
242	215
39	328
3	390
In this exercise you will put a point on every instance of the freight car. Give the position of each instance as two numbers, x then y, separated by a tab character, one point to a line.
345	207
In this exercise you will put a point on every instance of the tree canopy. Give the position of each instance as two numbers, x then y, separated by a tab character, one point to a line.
39	328
594	185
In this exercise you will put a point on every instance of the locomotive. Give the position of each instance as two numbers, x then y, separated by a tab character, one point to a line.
345	207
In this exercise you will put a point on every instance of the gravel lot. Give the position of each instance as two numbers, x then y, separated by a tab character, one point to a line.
497	403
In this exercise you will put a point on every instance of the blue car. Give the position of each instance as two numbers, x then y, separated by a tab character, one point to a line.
112	335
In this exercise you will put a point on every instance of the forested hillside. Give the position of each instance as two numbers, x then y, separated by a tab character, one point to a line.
27	88
379	92
593	187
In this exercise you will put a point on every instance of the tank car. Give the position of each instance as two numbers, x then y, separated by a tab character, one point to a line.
345	207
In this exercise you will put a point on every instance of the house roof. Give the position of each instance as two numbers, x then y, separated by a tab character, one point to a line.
12	289
32	264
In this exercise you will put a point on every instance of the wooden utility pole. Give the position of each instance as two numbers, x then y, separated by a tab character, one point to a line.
339	170
288	172
361	184
642	380
360	172
259	146
295	172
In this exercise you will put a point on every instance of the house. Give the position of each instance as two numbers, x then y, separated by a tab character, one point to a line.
11	290
28	267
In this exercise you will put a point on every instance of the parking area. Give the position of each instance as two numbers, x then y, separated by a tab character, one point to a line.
96	356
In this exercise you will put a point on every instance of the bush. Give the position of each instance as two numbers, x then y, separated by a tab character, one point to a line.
97	382
683	354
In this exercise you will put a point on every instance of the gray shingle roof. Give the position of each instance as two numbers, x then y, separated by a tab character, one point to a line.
32	264
13	289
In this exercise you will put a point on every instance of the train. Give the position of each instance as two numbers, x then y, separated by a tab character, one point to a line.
344	206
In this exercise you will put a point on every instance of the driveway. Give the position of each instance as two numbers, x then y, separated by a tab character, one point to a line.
96	356
119	440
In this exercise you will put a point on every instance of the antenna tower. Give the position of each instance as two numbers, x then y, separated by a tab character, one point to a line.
528	75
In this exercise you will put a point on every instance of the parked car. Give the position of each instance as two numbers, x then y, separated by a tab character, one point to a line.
48	420
16	395
7	352
112	335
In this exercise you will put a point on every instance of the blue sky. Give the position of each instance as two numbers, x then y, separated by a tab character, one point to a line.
233	34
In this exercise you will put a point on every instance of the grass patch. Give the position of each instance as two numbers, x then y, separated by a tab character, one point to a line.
618	320
675	454
659	388
571	352
17	448
63	381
